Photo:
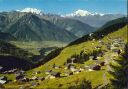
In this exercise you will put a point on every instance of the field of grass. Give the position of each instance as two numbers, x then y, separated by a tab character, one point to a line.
33	46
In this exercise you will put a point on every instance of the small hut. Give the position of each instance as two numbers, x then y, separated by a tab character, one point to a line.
77	71
12	71
41	78
56	67
101	63
95	67
55	74
68	65
68	73
118	51
19	76
3	80
72	60
24	79
48	71
37	72
34	78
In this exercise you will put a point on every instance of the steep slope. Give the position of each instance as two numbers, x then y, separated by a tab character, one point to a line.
74	26
31	28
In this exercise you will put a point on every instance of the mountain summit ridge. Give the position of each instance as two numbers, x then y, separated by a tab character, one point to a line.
81	12
31	10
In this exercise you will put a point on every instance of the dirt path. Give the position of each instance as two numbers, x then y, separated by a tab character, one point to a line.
108	57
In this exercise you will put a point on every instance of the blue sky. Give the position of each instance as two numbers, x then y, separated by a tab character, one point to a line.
66	6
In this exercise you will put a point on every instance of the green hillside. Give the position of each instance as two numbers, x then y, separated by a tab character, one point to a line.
82	50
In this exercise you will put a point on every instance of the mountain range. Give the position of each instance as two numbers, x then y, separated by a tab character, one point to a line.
29	27
31	24
94	19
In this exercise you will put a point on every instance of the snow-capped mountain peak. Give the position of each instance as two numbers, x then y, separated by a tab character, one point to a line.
82	13
32	10
98	14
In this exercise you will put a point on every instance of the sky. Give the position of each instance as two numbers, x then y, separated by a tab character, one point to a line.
67	6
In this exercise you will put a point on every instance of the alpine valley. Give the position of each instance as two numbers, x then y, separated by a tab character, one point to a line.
81	50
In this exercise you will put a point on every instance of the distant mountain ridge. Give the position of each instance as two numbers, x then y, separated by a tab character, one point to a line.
76	27
82	13
93	19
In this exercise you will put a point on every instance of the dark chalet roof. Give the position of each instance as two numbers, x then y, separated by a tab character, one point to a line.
95	67
3	78
55	73
48	71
